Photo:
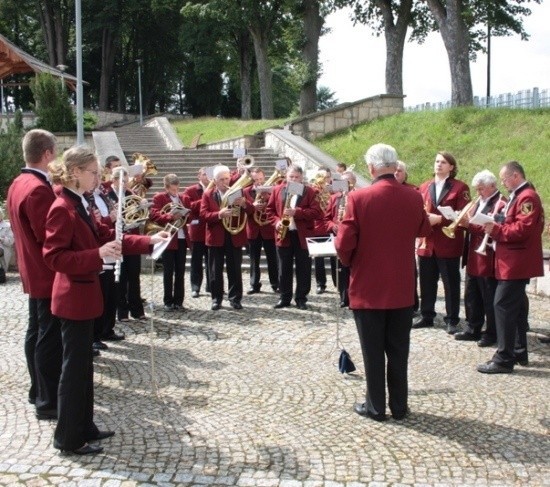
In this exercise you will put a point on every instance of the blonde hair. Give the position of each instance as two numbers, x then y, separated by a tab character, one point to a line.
77	156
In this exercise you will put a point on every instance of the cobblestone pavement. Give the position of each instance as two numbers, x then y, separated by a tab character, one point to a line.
254	398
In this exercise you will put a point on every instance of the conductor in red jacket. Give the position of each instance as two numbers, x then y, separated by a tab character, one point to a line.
381	289
74	249
518	258
439	255
29	199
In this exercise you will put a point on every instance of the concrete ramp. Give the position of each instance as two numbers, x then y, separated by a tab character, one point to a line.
107	144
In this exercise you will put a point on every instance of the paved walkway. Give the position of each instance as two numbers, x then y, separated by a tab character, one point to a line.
254	398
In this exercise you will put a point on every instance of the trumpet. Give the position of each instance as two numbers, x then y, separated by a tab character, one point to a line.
482	249
449	230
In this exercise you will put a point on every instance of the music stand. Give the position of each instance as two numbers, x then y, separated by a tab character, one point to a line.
324	247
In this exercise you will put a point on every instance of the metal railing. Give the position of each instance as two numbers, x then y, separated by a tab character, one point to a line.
534	98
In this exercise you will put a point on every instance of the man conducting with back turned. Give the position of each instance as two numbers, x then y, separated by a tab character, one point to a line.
381	289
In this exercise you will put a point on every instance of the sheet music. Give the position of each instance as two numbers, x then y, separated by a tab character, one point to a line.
263	189
239	152
448	213
481	219
234	196
295	188
340	185
281	165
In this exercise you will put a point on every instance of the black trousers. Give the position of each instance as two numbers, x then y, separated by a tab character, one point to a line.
479	296
385	334
75	424
287	257
233	262
430	269
173	274
343	283
30	346
511	312
47	356
105	324
199	257
255	249
320	272
129	288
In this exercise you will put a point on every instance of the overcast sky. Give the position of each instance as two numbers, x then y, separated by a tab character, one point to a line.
353	62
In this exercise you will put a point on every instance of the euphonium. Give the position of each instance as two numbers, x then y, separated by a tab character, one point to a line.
236	222
449	230
260	216
150	170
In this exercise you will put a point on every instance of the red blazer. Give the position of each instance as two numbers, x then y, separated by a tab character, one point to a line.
455	194
196	226
159	201
482	265
376	239
253	230
29	199
518	252
307	211
71	249
331	215
215	231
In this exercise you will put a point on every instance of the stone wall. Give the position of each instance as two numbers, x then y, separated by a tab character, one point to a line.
247	141
325	122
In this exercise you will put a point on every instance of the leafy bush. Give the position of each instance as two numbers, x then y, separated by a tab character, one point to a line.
90	121
52	104
11	153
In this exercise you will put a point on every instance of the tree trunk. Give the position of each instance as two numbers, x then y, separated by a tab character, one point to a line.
456	37
259	36
245	73
313	23
45	13
395	32
108	52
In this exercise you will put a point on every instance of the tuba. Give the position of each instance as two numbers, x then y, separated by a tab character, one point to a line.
236	222
139	187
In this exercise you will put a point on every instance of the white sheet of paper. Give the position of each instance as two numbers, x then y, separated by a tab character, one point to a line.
239	152
233	196
481	219
281	165
321	246
447	212
295	188
263	189
340	185
159	248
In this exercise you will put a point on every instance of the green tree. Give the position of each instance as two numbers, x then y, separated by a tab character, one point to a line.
52	106
325	98
11	153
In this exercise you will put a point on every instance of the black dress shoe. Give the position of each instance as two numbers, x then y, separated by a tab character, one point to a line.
522	361
46	414
544	339
168	308
400	415
423	323
101	435
252	291
452	329
343	304
275	289
95	353
281	304
321	289
216	306
486	342
493	368
114	337
87	450
301	305
361	410
466	336
99	346
236	305
179	307
195	294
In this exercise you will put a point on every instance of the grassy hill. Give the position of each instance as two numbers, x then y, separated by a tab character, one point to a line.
478	138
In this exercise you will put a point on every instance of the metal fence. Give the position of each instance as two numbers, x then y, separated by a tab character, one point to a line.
534	98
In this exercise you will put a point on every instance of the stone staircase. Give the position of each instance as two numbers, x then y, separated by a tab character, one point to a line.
185	162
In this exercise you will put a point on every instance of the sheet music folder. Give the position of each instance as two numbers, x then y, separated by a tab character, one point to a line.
321	246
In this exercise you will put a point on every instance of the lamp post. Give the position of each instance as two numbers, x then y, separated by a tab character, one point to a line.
79	89
62	68
139	61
